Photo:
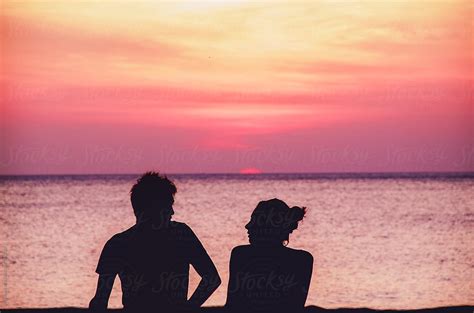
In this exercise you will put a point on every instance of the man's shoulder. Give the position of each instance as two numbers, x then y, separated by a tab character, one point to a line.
181	231
175	224
179	227
123	236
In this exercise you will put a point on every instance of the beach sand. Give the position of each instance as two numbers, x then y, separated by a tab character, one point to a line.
309	309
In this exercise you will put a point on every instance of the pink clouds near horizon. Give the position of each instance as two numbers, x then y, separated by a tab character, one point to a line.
94	87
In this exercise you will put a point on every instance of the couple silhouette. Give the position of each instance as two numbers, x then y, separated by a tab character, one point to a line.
152	259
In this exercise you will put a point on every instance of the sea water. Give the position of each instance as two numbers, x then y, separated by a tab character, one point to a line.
381	241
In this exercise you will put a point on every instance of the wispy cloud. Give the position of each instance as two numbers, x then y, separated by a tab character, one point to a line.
233	75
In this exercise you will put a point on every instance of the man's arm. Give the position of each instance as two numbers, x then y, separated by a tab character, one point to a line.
109	265
102	294
208	284
204	266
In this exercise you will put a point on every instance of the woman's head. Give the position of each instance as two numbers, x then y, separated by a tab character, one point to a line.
273	221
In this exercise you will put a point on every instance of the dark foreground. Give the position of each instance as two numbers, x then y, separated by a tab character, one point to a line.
309	309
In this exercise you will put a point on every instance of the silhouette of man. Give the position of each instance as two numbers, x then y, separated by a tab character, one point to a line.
152	257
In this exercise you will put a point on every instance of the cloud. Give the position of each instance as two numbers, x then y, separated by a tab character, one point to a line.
235	76
45	53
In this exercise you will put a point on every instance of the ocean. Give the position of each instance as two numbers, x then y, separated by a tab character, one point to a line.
385	241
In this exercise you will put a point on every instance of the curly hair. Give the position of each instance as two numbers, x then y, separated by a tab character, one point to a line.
151	189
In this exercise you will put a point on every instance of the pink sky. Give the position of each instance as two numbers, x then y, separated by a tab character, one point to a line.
122	87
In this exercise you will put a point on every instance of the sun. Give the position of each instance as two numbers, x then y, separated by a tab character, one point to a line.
250	170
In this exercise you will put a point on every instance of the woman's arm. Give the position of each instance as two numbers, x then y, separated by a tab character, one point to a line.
233	293
306	273
102	294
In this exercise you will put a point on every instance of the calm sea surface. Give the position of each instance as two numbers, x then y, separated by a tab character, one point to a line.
380	242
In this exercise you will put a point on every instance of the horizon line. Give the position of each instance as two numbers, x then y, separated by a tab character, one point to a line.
405	173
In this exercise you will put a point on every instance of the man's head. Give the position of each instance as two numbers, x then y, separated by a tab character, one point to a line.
152	196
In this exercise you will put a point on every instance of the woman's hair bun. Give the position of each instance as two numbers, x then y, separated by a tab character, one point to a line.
298	213
277	214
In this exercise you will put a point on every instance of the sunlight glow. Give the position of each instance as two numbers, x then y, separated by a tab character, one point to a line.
247	71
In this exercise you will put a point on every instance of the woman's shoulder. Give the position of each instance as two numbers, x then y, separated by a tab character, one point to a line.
302	254
241	249
245	250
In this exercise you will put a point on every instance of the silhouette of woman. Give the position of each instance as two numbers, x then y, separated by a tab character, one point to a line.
267	276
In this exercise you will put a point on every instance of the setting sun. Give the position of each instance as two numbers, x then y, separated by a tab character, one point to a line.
250	170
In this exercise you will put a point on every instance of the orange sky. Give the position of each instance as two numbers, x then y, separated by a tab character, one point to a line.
223	86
